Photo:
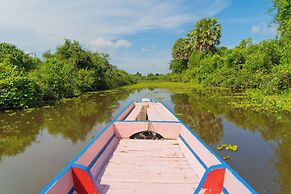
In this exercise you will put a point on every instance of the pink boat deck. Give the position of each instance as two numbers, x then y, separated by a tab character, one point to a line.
148	166
178	163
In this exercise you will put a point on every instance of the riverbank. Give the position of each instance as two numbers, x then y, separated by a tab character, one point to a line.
249	99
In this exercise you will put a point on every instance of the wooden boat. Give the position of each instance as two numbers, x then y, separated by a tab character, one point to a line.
174	160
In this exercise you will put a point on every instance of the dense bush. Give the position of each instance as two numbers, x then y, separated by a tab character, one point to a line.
265	66
245	66
26	81
16	89
56	79
261	66
16	57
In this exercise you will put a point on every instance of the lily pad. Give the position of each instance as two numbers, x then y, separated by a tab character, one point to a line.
232	147
228	147
221	147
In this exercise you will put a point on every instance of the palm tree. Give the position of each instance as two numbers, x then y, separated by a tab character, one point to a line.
206	34
181	49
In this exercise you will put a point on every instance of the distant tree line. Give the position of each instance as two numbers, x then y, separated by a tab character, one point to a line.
27	81
265	66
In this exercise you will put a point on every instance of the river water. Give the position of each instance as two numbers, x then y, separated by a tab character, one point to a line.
36	145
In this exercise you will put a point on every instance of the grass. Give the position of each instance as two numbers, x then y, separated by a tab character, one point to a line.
251	99
173	86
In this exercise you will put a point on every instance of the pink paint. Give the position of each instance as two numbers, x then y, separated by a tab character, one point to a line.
63	185
134	113
137	166
195	164
86	158
96	168
207	157
233	185
124	114
167	130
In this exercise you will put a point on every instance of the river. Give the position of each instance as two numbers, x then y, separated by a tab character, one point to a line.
37	144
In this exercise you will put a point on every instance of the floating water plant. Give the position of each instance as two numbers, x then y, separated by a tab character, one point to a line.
221	147
229	147
232	147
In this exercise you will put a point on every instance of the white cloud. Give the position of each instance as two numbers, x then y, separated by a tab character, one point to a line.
141	62
37	26
263	28
51	21
102	44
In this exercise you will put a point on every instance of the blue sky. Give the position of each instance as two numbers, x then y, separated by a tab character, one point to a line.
138	34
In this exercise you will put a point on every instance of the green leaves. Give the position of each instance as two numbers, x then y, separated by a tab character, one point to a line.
228	147
206	34
26	81
11	55
181	49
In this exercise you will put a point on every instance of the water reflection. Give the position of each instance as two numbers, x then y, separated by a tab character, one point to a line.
17	131
264	139
204	114
73	119
208	126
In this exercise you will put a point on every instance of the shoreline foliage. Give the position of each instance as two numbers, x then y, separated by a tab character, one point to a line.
26	81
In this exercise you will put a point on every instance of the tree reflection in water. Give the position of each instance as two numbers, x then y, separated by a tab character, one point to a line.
203	112
73	119
208	126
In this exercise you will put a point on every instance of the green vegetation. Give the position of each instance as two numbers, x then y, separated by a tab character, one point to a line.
250	99
229	147
261	70
27	81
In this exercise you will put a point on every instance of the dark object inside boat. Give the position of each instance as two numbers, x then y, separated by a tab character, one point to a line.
146	135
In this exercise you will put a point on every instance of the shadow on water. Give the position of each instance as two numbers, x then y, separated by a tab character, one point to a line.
55	134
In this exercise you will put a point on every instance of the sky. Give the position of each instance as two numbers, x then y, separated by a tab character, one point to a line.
138	34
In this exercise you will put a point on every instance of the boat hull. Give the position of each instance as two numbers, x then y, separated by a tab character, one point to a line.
181	153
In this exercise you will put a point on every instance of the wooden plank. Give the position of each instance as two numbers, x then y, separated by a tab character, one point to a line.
142	115
149	188
148	166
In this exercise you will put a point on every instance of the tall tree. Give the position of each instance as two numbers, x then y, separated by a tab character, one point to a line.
181	49
282	9
206	34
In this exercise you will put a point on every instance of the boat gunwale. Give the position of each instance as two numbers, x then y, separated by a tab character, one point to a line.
72	162
246	184
115	119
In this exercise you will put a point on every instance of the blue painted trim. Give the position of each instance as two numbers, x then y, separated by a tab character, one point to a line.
225	191
211	151
61	174
206	174
71	191
101	152
192	151
146	121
